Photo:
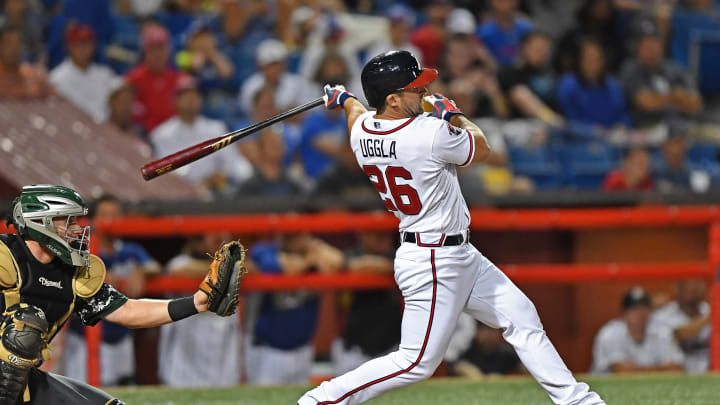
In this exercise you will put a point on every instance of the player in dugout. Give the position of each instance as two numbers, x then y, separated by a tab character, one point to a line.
411	157
47	274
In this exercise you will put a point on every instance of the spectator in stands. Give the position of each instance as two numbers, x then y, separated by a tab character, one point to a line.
590	95
121	99
202	57
223	171
372	325
19	79
461	24
244	26
687	321
530	84
270	176
430	37
633	175
597	20
673	172
503	30
279	348
127	266
488	354
209	66
346	179
123	52
290	89
205	338
22	14
331	38
324	133
303	22
627	344
96	13
657	89
271	151
460	341
84	83
154	80
657	11
470	80
401	20
692	24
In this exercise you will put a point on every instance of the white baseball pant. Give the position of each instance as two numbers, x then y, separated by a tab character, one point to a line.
266	365
437	285
117	360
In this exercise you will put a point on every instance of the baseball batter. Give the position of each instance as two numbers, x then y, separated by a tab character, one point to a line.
411	159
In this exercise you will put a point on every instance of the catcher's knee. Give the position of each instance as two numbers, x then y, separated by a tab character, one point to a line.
24	330
22	344
24	333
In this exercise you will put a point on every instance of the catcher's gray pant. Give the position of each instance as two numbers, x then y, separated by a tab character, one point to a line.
52	389
438	284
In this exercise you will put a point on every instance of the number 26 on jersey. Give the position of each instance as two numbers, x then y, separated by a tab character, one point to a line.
401	197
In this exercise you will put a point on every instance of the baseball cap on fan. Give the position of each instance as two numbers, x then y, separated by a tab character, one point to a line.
155	35
270	51
461	21
184	83
401	14
635	297
79	33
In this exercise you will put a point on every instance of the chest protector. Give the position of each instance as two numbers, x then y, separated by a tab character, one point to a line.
52	287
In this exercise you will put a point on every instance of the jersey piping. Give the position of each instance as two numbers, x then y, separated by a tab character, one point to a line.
472	149
422	350
369	131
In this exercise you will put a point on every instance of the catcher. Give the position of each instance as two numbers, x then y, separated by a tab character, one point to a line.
47	274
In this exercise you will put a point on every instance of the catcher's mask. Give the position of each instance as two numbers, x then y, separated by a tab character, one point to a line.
33	214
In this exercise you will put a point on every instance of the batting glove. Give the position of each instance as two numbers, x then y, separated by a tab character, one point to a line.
442	107
335	96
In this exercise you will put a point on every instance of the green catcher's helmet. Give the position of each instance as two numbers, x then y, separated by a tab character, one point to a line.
33	213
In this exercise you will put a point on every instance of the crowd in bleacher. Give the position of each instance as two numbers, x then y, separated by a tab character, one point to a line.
581	94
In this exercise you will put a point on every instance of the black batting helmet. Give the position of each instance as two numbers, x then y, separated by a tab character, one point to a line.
390	72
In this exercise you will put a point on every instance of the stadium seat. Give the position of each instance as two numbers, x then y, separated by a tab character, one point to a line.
587	163
540	164
700	153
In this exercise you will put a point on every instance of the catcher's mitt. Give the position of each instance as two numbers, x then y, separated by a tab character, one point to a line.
222	283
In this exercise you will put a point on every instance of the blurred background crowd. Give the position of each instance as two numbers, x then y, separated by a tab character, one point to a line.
573	94
616	95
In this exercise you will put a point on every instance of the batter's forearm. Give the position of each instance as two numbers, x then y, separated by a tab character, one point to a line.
482	148
353	109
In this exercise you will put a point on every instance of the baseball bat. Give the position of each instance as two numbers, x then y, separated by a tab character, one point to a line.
188	155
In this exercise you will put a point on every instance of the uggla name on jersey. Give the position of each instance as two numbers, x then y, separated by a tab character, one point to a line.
377	148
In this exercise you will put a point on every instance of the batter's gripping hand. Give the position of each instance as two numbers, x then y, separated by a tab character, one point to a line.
222	282
442	107
335	96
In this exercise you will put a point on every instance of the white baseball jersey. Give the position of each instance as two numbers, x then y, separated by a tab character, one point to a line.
613	344
697	352
412	164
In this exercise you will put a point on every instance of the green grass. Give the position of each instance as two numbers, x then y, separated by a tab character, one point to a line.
625	390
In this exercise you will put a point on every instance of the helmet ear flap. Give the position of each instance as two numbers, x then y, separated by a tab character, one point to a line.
16	217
